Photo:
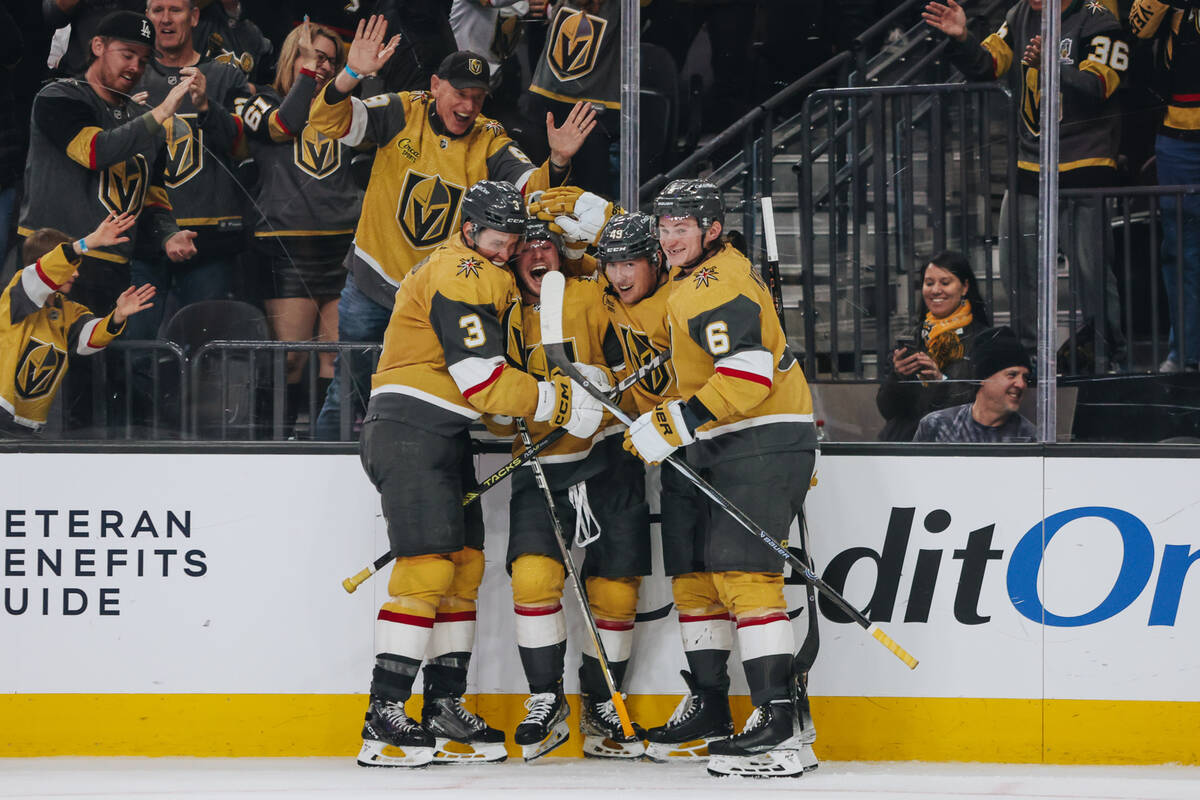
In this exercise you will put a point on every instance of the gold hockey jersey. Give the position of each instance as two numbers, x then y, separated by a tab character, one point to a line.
732	362
643	333
39	327
589	339
443	362
420	175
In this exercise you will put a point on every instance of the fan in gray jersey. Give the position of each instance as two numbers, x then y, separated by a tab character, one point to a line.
201	138
308	204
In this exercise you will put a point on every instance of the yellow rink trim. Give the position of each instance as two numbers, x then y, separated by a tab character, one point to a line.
849	728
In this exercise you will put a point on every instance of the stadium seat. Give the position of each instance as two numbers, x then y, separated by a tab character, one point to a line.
230	395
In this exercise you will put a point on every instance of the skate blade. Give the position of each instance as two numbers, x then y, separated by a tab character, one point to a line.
604	747
378	754
449	751
772	764
558	734
695	750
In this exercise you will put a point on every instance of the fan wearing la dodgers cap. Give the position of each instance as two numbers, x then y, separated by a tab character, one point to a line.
93	152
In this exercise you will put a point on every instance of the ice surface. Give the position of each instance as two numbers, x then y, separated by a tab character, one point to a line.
555	778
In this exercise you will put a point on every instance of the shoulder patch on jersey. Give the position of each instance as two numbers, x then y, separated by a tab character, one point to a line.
469	267
494	128
1096	7
704	275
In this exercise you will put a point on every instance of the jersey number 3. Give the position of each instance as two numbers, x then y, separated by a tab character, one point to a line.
474	328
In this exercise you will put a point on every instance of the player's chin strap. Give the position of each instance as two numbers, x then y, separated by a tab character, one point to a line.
587	527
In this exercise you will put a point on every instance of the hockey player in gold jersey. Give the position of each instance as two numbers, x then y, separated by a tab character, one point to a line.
429	147
39	326
599	492
442	367
743	418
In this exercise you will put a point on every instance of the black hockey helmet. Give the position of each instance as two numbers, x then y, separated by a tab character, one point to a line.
691	197
628	236
538	230
497	205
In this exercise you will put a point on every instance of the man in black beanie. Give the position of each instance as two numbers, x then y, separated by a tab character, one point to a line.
1003	370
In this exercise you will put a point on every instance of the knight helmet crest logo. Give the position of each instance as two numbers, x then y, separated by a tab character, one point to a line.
185	149
475	66
316	154
38	369
123	186
427	209
575	39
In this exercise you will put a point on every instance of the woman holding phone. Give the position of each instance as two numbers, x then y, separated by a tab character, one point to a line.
931	369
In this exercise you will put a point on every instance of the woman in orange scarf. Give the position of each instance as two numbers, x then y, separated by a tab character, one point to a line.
932	370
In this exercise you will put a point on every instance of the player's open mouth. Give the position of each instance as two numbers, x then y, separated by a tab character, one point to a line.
463	118
537	273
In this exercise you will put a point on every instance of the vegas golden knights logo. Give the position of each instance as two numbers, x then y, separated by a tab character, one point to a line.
38	369
575	42
316	154
637	345
123	186
537	365
185	150
428	207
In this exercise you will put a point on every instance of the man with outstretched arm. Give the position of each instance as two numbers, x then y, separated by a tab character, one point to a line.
742	417
430	146
442	367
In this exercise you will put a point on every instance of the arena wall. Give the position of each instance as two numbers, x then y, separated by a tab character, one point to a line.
167	604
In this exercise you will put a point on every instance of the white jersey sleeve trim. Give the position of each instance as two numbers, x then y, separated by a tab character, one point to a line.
472	374
35	286
753	422
524	179
426	397
755	362
84	346
358	123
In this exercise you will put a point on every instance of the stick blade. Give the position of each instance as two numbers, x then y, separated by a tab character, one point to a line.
553	289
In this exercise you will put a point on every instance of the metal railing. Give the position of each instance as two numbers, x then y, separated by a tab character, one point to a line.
859	190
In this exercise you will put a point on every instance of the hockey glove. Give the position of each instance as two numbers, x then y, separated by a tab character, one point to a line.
600	377
563	402
659	432
578	215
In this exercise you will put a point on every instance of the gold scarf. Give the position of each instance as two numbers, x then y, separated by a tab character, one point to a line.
941	337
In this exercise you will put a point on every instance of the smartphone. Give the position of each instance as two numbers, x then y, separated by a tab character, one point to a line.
909	346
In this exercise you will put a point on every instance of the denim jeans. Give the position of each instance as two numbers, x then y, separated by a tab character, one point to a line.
360	319
190	281
1179	163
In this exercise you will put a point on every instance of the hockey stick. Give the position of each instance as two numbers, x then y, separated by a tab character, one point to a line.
771	272
552	343
580	594
357	579
807	654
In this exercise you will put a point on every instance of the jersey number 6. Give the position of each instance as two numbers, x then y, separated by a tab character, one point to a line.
717	334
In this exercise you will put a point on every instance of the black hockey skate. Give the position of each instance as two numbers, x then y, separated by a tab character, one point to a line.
461	737
545	725
603	736
770	746
393	739
701	717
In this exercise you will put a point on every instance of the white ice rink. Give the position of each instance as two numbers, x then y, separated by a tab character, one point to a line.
553	779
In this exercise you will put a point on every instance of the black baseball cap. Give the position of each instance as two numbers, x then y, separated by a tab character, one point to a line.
466	70
127	26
